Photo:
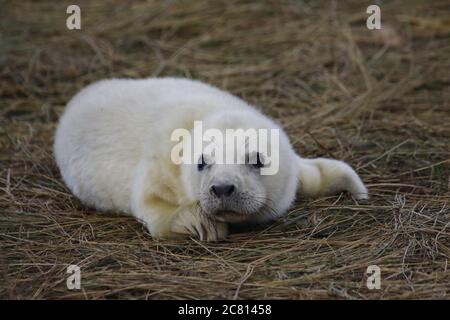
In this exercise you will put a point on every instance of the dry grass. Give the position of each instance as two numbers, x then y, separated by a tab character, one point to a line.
377	99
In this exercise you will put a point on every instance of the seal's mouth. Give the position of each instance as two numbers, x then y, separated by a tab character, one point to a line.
229	216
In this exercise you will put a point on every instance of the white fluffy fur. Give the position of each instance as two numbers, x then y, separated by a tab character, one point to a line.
113	148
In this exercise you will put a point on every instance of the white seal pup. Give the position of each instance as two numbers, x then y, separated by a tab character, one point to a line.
114	147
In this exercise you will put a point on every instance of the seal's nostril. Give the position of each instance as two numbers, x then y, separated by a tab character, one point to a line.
222	190
231	190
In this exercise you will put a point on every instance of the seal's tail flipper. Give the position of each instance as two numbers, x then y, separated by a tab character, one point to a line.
321	177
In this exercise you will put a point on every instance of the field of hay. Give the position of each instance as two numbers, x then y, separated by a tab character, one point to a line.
378	99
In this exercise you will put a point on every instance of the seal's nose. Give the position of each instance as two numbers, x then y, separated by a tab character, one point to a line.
222	190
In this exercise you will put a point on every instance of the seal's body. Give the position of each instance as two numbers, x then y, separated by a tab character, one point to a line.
114	150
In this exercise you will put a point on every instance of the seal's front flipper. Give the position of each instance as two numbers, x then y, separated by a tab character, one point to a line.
322	177
191	221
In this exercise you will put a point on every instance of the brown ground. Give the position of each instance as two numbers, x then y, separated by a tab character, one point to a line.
376	99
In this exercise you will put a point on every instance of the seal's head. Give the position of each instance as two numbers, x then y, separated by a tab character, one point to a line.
246	170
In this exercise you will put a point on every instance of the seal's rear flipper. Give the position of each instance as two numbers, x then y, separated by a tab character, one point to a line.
321	177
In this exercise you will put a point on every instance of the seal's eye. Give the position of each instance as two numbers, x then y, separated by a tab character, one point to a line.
259	163
201	163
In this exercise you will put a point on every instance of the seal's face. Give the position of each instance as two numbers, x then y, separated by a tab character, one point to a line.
232	192
258	187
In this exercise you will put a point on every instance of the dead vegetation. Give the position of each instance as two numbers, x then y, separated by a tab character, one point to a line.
377	99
